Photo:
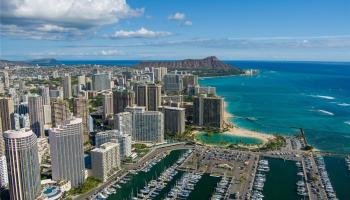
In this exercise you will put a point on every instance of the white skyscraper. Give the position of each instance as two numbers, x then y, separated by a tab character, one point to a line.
36	115
22	164
67	152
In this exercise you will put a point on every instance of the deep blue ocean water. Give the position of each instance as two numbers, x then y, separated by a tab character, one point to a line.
285	96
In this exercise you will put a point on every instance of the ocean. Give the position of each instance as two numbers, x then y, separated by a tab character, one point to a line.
286	96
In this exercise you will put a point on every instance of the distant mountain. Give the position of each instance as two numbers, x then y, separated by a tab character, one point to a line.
209	66
44	61
207	63
4	63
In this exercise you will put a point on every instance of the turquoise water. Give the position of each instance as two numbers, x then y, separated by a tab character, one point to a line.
290	95
224	139
281	180
339	176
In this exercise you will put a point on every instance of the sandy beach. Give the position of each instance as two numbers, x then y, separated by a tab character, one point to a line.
235	130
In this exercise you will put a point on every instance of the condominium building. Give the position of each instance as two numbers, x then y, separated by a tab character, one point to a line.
81	110
141	94
101	82
208	111
36	115
6	112
122	98
105	160
123	122
124	141
159	73
173	82
174	120
47	114
3	172
154	92
59	112
148	126
67	152
67	87
44	91
107	104
22	164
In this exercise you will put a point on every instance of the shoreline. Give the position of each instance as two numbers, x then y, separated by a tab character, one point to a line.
242	132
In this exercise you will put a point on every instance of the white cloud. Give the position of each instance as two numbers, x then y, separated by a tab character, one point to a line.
177	16
180	17
188	23
141	33
110	52
64	15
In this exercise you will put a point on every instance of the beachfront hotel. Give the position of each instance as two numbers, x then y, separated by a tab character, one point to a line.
208	111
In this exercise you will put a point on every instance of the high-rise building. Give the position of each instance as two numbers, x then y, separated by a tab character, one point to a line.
123	122
47	114
56	93
159	73
59	112
124	141
44	91
81	80
67	152
22	164
173	82
2	148
154	97
174	120
122	98
105	160
148	126
6	112
3	171
6	79
141	94
208	111
81	110
107	105
189	80
101	82
36	115
67	87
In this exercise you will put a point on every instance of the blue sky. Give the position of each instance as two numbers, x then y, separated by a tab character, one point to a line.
176	29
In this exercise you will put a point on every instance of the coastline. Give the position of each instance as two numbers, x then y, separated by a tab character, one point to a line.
242	132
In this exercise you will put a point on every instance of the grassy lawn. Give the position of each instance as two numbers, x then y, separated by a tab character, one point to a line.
89	184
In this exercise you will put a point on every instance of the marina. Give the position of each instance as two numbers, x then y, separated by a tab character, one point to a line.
281	180
339	175
324	177
130	184
218	174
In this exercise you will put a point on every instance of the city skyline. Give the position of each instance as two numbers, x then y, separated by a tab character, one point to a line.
230	30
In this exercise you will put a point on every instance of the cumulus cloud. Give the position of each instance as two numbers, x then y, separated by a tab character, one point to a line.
177	16
141	33
62	15
181	18
188	23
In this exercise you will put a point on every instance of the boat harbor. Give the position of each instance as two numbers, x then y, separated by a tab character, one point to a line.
225	174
